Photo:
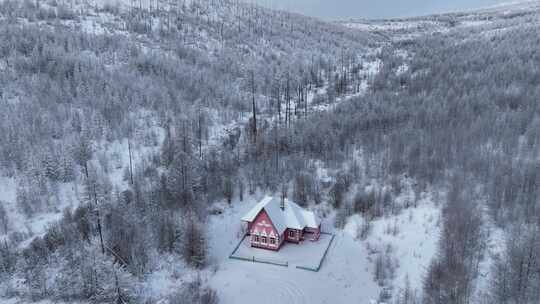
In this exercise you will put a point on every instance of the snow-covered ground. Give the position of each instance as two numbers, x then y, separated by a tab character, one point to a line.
347	272
346	275
306	254
7	198
37	224
412	236
9	301
495	246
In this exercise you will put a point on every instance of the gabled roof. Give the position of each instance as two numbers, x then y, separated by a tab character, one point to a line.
293	216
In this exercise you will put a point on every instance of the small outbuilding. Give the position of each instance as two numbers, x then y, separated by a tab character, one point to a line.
274	221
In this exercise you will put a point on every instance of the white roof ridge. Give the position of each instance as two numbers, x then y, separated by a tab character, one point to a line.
293	216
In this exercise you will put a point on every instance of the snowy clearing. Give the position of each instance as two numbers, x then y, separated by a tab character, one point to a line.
306	254
345	277
347	273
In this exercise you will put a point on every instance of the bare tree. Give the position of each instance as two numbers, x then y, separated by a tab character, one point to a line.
4	220
254	107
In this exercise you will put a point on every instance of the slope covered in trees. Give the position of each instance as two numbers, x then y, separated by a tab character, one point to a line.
465	115
124	127
111	112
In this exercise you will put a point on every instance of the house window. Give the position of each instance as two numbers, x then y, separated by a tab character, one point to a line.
272	241
256	238
292	233
263	239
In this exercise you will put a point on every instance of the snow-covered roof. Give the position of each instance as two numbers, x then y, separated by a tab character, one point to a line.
292	216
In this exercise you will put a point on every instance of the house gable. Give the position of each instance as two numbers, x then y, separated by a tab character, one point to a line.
271	222
275	215
262	225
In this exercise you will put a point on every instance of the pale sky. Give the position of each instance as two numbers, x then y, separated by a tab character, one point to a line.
373	9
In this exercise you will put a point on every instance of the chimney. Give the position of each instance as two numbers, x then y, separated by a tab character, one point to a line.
282	204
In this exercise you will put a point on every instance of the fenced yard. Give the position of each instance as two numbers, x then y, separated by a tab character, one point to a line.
308	255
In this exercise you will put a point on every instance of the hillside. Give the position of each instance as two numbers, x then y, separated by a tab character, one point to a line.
135	135
109	79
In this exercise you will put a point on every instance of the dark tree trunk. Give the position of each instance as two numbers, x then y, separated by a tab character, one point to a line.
130	163
98	221
254	107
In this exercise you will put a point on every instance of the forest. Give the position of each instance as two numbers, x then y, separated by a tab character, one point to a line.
133	122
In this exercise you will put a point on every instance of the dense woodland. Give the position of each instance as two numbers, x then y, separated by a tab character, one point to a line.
463	117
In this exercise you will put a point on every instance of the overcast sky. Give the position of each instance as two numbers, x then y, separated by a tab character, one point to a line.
345	9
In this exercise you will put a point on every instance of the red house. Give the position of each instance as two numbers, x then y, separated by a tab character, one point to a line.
274	221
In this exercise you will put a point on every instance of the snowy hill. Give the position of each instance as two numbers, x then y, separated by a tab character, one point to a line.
213	54
136	134
492	17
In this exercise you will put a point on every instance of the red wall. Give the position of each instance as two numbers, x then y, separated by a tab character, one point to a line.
262	223
313	230
296	238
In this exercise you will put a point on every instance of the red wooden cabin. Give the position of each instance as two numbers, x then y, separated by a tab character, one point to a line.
274	221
